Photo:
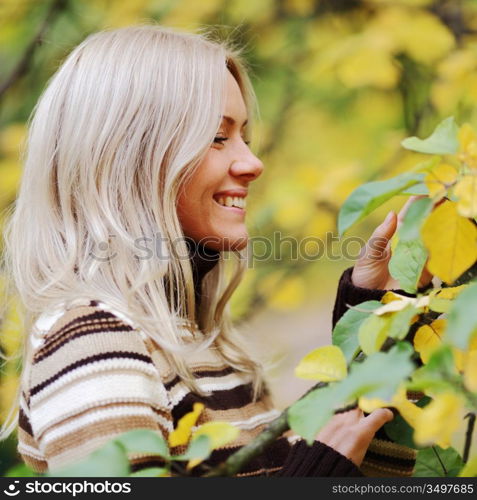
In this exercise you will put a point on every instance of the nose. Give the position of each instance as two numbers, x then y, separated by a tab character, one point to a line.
247	165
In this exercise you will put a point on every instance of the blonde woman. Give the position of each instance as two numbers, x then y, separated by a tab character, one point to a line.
133	196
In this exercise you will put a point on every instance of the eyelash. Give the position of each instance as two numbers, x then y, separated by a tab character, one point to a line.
221	140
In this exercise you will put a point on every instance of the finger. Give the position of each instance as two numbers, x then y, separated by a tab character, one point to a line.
375	248
377	419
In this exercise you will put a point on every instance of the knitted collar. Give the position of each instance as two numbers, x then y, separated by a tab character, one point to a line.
203	259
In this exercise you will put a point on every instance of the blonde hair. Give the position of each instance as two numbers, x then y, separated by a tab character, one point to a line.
122	124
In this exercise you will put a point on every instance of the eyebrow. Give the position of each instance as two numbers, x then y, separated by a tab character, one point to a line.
231	121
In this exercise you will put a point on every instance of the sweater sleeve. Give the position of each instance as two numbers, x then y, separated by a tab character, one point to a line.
383	457
92	379
317	460
349	294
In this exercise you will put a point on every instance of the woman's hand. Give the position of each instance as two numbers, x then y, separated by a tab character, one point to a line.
351	432
371	270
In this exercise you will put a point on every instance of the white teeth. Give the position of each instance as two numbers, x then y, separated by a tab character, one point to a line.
235	201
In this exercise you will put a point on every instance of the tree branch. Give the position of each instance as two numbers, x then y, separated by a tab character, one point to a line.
468	436
20	69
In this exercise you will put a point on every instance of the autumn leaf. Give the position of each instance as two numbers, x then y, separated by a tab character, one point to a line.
451	241
439	179
466	192
326	364
439	420
428	338
180	435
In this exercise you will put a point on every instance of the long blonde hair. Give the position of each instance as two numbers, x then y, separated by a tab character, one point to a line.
124	121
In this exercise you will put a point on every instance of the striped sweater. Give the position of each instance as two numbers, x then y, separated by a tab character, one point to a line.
93	376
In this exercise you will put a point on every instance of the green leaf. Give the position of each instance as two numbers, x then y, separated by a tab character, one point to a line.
462	319
21	470
379	375
309	414
345	331
373	332
414	218
437	373
429	465
407	262
367	197
110	460
144	441
442	141
400	322
199	448
417	189
150	472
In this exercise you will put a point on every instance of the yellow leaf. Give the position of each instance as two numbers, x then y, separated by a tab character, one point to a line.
219	433
451	241
326	364
181	434
441	300
390	297
470	370
409	411
466	191
394	305
428	338
439	420
450	292
368	405
439	179
470	468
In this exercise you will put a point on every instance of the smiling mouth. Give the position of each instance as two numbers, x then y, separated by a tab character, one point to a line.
232	208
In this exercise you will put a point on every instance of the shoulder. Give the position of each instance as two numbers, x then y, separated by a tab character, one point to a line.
88	335
82	319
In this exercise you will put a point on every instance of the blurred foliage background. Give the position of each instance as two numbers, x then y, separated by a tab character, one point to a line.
340	83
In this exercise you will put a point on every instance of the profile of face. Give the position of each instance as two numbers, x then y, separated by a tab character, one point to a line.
211	203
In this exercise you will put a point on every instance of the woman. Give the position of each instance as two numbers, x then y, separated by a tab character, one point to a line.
133	192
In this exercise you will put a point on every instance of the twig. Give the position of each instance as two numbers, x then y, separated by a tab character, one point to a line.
468	436
55	8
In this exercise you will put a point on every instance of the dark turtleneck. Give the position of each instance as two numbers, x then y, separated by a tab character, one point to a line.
203	259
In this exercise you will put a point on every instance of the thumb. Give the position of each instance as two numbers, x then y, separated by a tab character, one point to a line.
377	419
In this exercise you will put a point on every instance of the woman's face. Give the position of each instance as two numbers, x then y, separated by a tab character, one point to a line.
223	176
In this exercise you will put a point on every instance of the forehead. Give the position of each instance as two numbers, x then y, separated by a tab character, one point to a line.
234	102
